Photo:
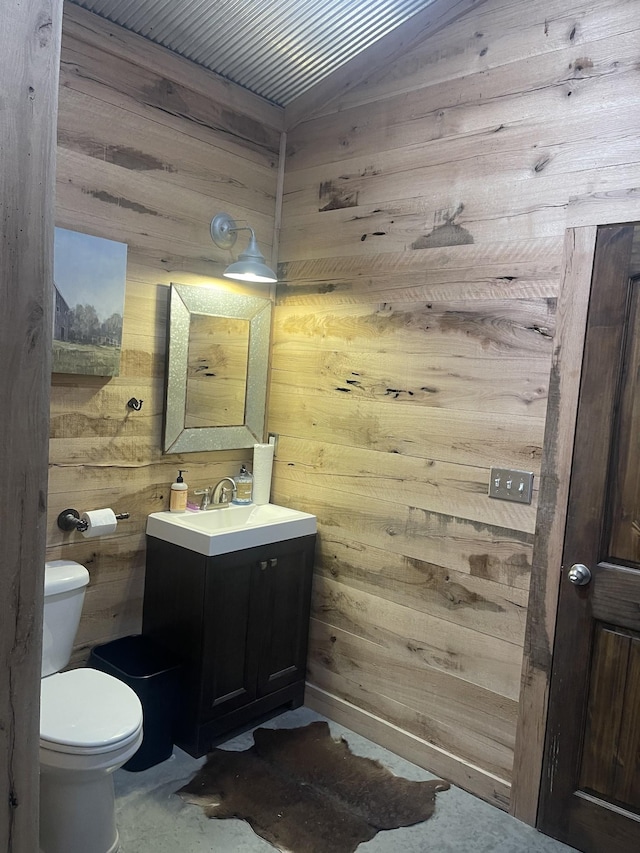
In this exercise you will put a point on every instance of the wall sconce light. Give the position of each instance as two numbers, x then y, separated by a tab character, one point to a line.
250	265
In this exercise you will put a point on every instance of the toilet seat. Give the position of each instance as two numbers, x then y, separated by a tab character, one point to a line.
87	712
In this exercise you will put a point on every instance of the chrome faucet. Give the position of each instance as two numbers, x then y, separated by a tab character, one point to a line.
218	496
222	494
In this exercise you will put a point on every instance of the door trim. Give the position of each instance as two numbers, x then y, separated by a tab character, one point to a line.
563	812
557	459
30	35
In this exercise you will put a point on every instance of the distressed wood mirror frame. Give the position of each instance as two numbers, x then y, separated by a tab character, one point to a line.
185	301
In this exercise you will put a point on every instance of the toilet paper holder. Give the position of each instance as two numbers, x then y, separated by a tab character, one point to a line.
69	519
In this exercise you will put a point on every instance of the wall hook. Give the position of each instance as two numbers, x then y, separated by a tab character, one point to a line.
134	404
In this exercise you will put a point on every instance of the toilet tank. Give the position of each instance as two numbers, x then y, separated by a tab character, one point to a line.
64	586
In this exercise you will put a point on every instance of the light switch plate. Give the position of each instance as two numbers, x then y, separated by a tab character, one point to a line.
509	484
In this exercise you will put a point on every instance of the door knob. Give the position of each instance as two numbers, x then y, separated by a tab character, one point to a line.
579	574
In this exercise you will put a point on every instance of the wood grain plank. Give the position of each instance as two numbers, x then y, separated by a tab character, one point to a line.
471	602
624	535
440	695
559	150
29	59
146	302
619	203
494	553
433	643
100	408
447	209
108	561
604	711
423	286
535	259
437	707
492	41
143	451
466	438
139	143
448	488
617	598
462	773
627	780
138	502
553	501
111	610
489	106
395	224
496	328
144	205
424	381
68	472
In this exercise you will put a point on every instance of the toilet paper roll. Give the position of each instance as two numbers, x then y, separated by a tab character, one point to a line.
262	466
100	522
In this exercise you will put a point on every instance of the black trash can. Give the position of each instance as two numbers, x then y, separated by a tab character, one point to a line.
153	674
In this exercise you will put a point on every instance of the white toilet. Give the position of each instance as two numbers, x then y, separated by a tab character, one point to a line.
90	725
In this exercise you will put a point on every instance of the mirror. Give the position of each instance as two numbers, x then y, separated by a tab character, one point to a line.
217	364
217	361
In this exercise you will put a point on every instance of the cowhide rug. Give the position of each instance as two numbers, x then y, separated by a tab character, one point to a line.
305	792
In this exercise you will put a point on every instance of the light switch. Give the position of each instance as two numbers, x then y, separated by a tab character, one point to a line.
508	484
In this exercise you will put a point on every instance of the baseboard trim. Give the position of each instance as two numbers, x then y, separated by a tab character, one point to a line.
485	785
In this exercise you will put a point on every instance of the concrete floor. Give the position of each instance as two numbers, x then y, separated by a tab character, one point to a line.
152	819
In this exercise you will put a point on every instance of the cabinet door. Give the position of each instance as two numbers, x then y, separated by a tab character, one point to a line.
228	671
284	589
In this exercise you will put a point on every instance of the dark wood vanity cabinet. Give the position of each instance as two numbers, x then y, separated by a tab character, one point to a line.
239	622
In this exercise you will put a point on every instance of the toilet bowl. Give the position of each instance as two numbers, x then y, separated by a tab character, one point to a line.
90	725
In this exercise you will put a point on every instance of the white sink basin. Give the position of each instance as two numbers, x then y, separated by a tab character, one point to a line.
219	531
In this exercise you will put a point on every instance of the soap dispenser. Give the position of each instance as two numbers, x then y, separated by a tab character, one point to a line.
244	487
179	491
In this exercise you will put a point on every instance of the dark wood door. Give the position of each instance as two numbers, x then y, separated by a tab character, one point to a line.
284	589
590	794
257	623
231	616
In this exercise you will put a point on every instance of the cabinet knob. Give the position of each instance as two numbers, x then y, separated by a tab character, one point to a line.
273	562
263	565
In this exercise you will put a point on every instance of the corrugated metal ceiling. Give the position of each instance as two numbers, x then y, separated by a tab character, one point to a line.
275	48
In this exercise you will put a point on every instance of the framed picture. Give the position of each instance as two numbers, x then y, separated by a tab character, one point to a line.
90	275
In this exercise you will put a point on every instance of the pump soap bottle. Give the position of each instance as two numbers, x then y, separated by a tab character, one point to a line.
179	491
244	487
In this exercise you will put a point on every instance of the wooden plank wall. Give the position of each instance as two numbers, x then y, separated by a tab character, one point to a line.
150	148
422	246
29	61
